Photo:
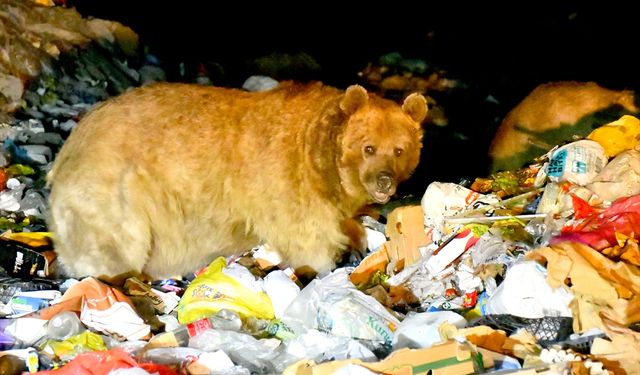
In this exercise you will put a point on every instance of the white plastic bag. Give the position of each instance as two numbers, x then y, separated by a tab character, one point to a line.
526	293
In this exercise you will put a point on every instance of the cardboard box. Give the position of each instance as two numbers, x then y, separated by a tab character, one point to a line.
449	358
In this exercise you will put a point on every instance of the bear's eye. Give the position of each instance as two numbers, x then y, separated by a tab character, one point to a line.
369	149
398	151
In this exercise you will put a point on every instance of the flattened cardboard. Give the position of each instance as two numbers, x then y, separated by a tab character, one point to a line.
449	358
405	230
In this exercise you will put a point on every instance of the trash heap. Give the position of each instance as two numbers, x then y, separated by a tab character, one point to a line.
527	271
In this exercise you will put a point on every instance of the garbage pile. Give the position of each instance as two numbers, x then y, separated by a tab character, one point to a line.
527	271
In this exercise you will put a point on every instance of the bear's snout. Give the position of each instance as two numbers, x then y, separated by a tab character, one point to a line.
384	182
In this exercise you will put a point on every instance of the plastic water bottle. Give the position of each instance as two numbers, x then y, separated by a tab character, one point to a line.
224	320
64	325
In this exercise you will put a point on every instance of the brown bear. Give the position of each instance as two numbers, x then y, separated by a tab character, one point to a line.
164	178
554	113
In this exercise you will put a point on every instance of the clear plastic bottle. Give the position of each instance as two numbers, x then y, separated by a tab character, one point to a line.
224	320
64	325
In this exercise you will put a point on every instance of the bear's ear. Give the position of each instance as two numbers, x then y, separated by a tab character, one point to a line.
355	97
415	105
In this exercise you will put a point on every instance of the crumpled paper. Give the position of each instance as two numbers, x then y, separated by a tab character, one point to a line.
602	287
622	351
620	178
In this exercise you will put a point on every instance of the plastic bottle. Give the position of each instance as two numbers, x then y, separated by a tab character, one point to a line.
224	319
64	325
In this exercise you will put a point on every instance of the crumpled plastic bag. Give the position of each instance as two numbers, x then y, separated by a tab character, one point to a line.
333	304
599	230
243	349
620	178
420	330
578	162
320	347
565	199
526	293
104	362
443	199
213	290
617	136
84	342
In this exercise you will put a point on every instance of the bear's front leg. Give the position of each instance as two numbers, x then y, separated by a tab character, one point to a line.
354	230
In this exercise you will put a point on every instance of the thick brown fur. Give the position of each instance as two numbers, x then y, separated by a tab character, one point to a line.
165	178
550	106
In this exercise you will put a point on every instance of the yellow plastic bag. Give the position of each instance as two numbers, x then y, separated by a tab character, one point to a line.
213	291
86	341
33	239
617	136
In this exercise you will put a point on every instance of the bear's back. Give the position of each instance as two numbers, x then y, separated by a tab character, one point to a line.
551	114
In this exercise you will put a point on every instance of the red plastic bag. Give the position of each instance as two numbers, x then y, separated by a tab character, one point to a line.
103	362
599	229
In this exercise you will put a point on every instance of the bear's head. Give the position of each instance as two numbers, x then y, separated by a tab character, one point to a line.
381	142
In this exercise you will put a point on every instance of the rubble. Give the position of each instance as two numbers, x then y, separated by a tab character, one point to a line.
34	35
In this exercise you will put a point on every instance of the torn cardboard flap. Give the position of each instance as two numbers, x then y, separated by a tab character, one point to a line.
405	230
624	276
491	339
585	278
376	261
564	262
623	349
449	358
557	274
586	313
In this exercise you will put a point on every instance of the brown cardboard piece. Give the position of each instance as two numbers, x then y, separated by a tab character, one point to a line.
449	358
377	261
405	230
495	340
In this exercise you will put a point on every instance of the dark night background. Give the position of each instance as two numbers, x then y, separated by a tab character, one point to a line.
495	49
